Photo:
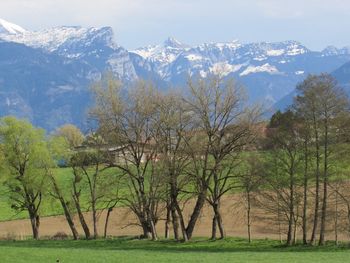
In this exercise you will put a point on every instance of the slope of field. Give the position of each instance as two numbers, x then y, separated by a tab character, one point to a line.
50	206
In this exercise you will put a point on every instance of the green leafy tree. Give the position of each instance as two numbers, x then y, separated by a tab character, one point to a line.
71	134
25	156
325	107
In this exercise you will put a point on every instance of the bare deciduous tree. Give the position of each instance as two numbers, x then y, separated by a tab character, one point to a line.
127	121
174	130
223	128
249	181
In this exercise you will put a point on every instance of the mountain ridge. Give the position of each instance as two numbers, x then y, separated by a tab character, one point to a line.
268	70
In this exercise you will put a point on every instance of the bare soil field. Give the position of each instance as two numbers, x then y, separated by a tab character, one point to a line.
123	223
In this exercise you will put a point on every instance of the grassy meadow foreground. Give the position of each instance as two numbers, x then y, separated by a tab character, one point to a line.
134	250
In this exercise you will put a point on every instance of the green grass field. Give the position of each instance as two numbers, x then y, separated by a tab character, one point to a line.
50	206
200	250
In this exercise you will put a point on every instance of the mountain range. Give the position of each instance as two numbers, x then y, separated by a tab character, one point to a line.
45	75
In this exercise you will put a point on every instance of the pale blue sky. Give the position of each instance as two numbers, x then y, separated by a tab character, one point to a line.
316	23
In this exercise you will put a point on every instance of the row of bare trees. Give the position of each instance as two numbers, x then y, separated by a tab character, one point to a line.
154	151
174	147
305	145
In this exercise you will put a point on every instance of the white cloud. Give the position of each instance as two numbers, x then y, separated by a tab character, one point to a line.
302	8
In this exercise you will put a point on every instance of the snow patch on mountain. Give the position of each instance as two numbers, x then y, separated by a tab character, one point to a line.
275	53
267	68
203	73
262	58
235	44
224	68
171	42
10	28
193	57
165	53
54	38
49	39
157	53
221	47
295	49
147	52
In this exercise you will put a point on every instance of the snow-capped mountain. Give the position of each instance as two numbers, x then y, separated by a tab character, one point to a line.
95	46
269	70
226	57
332	50
157	58
45	75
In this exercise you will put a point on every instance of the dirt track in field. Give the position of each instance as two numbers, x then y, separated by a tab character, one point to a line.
123	223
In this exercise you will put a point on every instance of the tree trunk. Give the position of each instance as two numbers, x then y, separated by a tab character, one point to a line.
175	222
219	219
248	216
66	210
177	212
304	226
173	204
317	197
94	219
107	221
146	233
279	219
81	215
145	227
182	222
150	222
348	219
336	219
291	206
69	219
325	187
153	230
323	215
196	213
213	227
295	230
290	230
35	223
167	221
148	225
83	222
